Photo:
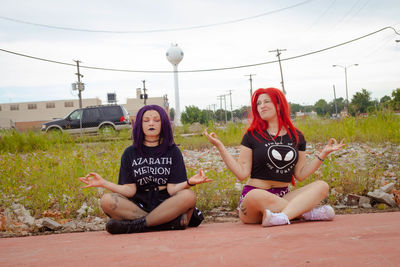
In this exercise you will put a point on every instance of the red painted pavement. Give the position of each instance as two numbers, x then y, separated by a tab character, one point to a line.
350	240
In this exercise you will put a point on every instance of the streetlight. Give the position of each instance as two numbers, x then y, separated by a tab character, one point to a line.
345	77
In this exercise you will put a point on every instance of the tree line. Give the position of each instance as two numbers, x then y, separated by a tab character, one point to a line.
360	103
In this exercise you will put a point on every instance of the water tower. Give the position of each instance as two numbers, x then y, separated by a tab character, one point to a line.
174	56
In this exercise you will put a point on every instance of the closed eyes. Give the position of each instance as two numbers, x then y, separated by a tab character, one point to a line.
265	102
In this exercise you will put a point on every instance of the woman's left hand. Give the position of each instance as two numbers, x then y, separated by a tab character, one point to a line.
199	178
92	180
332	146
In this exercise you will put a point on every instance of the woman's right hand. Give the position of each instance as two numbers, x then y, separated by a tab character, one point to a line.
92	180
213	138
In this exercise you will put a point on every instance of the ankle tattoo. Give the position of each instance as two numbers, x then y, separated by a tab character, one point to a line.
243	209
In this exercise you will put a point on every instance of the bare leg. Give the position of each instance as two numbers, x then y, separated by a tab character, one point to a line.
182	202
305	198
119	207
293	204
254	204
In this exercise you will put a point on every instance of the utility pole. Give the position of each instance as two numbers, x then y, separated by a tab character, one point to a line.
345	79
278	54
230	96
226	118
144	92
80	85
220	105
214	115
251	85
334	95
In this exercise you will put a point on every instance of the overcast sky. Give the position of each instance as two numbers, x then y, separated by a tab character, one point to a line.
212	34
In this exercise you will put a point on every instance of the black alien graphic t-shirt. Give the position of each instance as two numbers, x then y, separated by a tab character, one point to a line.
274	159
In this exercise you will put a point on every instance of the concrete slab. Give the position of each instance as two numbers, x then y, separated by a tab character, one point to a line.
350	240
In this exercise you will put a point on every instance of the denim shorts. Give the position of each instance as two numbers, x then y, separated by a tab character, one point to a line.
279	191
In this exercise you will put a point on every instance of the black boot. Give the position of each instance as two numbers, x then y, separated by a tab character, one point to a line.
126	226
175	224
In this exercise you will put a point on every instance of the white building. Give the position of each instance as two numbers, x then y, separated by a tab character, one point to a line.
134	104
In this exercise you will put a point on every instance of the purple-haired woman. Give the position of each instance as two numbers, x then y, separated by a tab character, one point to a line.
153	190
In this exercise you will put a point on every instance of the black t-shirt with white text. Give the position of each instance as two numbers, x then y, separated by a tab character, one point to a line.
274	159
148	171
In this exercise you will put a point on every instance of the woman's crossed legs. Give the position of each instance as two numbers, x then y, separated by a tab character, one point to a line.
119	207
293	204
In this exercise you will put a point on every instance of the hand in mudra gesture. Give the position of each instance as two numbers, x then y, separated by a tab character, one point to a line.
212	137
199	178
333	145
92	180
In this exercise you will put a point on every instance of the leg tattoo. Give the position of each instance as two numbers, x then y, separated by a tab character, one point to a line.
243	209
115	204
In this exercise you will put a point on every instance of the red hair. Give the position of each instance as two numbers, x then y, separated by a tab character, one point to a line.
282	109
283	112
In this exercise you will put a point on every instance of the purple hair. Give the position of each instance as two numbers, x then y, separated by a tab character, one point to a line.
166	136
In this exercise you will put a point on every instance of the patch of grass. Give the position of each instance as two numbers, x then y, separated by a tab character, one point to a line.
348	178
382	126
15	142
230	135
382	206
221	192
47	180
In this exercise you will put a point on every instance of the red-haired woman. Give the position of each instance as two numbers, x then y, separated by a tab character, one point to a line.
272	153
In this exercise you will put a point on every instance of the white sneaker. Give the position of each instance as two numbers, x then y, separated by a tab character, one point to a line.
272	219
321	213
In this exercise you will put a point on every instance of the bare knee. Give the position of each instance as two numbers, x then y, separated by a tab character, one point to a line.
254	204
323	187
108	202
187	197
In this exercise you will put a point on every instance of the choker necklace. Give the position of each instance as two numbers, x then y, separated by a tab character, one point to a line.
274	139
154	141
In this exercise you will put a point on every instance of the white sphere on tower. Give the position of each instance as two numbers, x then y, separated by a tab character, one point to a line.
174	54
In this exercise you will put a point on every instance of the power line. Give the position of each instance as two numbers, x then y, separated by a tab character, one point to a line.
158	30
205	70
322	15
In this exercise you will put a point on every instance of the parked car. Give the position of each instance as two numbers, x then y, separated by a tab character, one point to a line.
93	119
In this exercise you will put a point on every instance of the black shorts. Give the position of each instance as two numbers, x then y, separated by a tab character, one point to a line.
149	200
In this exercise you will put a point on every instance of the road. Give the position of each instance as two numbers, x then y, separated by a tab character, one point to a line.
349	240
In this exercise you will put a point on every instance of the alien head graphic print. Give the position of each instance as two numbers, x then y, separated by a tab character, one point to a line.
274	159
